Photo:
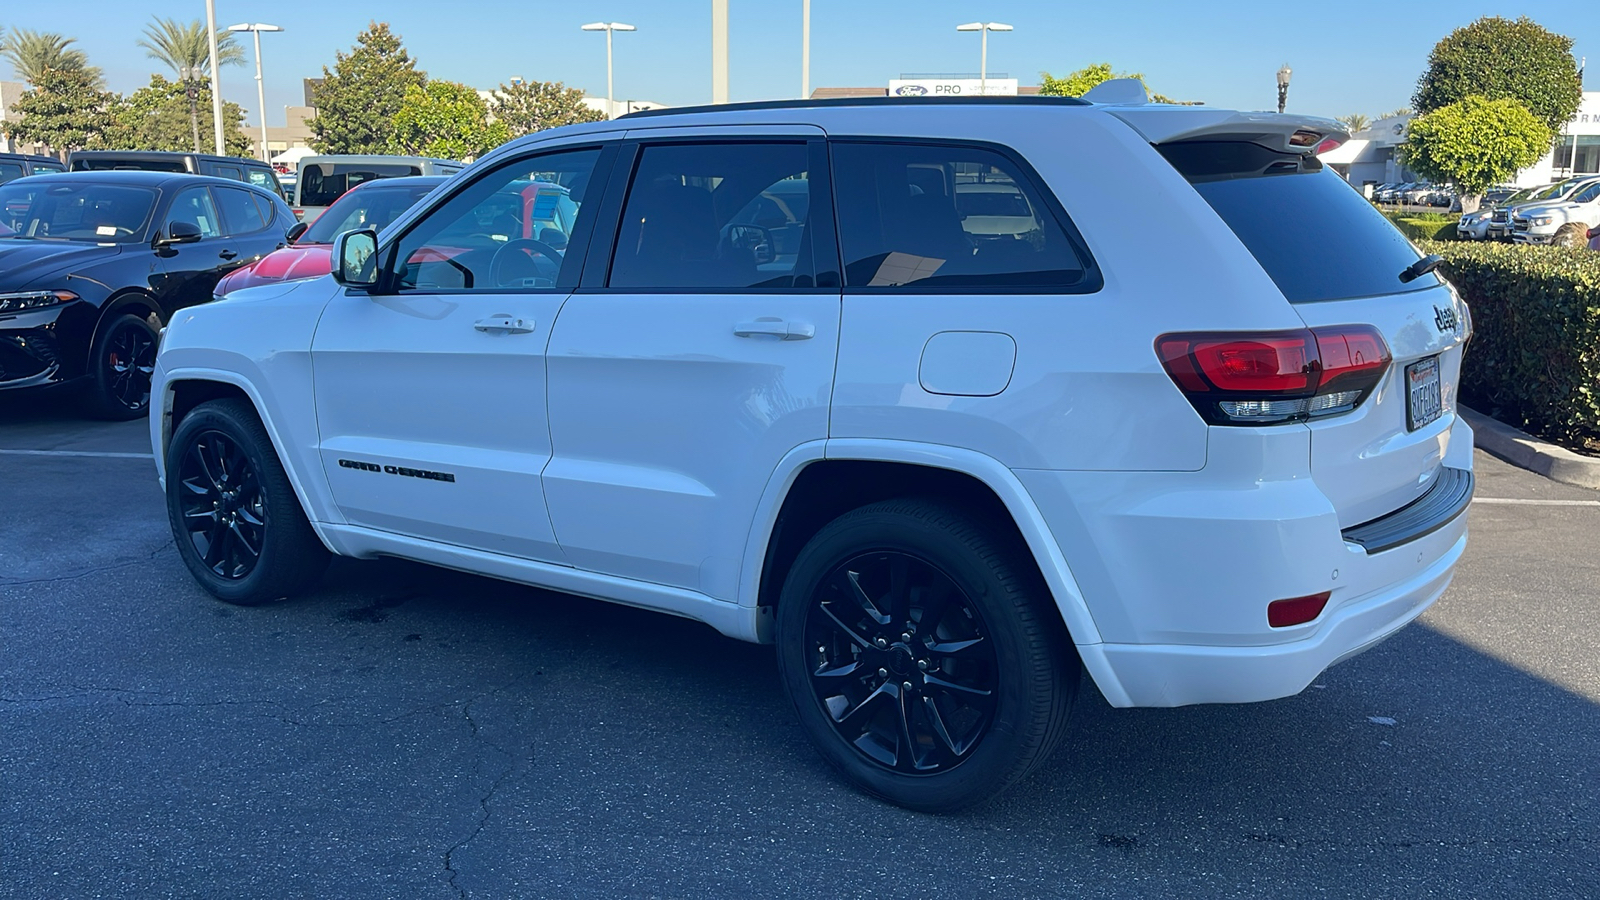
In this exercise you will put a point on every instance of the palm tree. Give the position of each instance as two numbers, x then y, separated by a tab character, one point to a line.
1354	123
32	53
185	46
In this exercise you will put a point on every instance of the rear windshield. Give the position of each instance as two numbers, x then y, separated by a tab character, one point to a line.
137	165
323	183
1309	229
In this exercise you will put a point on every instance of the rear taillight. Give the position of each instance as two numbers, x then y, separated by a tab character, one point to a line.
1269	378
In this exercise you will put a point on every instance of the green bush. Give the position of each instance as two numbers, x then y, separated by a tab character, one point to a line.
1534	360
1424	226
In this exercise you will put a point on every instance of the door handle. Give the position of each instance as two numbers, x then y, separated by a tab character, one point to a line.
504	324
767	326
227	254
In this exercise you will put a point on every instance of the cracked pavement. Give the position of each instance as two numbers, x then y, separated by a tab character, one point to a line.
411	732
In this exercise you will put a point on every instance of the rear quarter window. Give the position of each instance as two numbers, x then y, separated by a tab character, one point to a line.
1313	234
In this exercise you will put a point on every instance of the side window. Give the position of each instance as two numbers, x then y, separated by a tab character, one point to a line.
230	172
1588	193
240	214
488	236
262	178
46	168
10	171
194	206
944	216
715	216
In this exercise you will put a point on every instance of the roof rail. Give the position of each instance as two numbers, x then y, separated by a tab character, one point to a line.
832	102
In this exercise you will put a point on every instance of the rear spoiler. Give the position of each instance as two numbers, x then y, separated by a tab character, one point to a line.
1283	132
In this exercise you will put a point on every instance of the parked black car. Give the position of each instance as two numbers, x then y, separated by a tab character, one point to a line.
21	165
234	168
93	263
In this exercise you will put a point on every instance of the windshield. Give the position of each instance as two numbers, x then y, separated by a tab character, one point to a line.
1553	191
323	183
75	211
374	206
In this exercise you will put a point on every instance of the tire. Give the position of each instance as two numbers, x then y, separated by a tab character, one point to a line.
846	655
121	360
1572	234
236	520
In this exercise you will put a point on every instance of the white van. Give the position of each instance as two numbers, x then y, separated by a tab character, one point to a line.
324	179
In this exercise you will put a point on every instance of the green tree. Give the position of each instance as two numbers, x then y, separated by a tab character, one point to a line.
357	101
1475	143
156	117
1076	84
1402	111
446	120
1355	122
32	53
184	45
531	106
1504	59
65	110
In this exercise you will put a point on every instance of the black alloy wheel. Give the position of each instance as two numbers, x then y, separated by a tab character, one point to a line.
923	654
237	523
124	362
902	663
224	512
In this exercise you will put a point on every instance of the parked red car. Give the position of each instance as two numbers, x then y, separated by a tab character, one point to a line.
373	204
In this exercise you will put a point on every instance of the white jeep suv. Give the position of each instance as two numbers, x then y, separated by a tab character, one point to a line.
778	382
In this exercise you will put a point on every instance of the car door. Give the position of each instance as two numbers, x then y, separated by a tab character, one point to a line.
247	226
430	390
685	369
190	271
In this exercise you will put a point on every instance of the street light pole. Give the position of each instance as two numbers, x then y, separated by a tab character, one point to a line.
216	77
805	49
1283	86
608	27
719	51
261	91
985	28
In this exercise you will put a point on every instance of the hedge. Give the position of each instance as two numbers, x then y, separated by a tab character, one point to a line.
1424	226
1534	360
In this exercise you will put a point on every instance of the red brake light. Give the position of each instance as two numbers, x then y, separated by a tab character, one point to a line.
1275	377
1296	611
1326	145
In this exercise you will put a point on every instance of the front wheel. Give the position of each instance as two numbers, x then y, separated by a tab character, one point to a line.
123	359
238	525
921	655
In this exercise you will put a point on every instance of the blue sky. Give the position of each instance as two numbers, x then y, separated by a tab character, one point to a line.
1351	57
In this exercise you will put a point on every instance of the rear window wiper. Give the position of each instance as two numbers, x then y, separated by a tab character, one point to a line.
1420	268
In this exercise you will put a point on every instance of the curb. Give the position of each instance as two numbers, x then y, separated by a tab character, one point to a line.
1525	451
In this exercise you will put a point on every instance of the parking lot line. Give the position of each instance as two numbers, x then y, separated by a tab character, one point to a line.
1517	502
89	454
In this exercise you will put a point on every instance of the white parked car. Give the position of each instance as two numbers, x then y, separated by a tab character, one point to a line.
1564	223
943	469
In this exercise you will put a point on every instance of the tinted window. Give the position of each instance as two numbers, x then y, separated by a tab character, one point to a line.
374	206
945	217
240	214
1314	235
486	236
1587	194
231	172
194	206
138	165
10	171
691	218
323	183
45	168
98	213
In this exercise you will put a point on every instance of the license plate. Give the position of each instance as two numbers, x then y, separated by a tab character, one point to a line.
1422	390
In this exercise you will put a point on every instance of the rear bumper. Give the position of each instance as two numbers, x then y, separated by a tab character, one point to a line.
1178	675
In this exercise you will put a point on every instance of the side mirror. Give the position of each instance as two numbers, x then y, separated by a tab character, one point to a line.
295	232
355	258
180	233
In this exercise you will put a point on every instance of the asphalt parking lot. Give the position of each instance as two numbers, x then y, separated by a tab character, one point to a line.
409	732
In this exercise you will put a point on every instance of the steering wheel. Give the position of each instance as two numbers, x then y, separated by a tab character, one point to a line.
543	256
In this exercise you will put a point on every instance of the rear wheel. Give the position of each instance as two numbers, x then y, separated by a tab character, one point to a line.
123	359
920	655
235	518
